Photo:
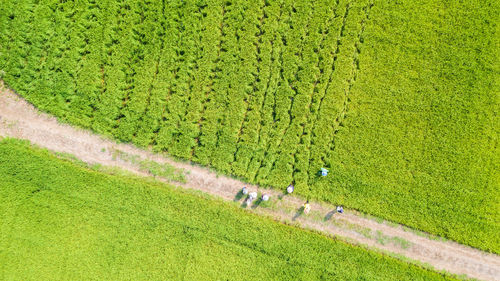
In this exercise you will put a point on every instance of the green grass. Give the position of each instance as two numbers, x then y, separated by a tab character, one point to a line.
397	99
61	221
163	170
419	145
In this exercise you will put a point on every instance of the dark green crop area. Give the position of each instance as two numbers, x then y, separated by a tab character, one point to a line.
60	221
398	99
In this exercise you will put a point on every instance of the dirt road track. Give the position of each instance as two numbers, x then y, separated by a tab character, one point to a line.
19	119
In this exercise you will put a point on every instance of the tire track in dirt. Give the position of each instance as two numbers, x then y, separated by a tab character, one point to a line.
21	120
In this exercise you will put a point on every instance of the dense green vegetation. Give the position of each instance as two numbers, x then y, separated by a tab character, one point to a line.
420	143
60	221
396	98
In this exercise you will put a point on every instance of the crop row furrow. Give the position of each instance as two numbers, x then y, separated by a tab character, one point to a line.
114	48
330	52
240	79
257	62
217	106
147	53
335	99
268	131
183	138
323	61
178	90
40	59
139	57
264	112
328	100
189	128
276	168
214	32
60	71
29	62
162	87
72	75
338	123
139	136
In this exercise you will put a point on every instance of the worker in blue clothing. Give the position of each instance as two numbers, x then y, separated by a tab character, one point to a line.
324	172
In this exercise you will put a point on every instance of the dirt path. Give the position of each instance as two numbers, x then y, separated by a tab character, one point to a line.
21	120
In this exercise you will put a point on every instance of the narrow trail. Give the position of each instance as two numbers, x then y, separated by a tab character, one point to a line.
21	120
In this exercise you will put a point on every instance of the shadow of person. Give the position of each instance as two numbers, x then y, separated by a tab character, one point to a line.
238	196
257	203
282	195
299	213
245	202
329	215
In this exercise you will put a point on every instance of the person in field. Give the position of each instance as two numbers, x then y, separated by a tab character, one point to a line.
264	197
244	190
340	209
251	197
307	207
324	172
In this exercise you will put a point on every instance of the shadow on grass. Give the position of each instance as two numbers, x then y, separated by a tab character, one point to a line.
257	203
244	204
238	196
329	215
282	195
299	213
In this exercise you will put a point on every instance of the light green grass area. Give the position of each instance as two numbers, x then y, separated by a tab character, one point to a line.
61	221
163	170
398	99
420	141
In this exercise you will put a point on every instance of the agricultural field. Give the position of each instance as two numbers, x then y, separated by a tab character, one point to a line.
396	99
62	221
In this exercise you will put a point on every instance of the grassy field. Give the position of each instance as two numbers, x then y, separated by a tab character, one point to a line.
397	99
61	221
420	141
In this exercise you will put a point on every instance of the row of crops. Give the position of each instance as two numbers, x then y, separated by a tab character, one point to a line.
394	98
254	90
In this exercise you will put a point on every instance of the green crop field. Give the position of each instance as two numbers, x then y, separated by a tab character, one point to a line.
398	99
61	221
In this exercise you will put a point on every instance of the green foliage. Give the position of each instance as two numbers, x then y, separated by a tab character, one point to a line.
418	145
396	99
163	170
62	221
